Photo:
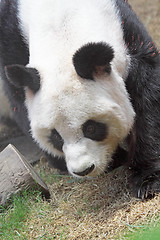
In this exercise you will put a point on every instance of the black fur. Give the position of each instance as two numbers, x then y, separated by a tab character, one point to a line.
13	50
143	85
119	158
90	56
94	130
57	162
56	140
21	76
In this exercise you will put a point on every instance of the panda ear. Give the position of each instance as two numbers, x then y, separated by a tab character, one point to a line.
93	58
21	76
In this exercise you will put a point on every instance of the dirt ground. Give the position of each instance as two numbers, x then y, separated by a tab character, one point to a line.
102	208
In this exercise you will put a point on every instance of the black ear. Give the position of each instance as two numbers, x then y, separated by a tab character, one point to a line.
21	76
93	58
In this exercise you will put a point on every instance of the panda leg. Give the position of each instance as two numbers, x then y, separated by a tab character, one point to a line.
145	161
143	85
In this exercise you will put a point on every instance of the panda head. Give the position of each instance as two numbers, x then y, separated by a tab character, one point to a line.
81	111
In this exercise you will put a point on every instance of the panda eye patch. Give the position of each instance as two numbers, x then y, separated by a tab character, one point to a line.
56	139
94	130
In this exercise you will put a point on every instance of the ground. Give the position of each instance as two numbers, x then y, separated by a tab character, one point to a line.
101	208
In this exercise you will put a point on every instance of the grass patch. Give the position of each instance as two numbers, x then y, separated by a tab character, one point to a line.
12	219
53	177
147	233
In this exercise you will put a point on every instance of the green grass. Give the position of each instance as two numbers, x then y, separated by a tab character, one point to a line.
55	178
52	178
13	218
148	232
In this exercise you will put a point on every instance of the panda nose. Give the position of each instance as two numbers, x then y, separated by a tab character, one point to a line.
85	172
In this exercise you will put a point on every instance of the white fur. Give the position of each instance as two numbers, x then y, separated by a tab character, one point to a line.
55	30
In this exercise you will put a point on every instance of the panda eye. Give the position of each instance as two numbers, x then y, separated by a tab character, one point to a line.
90	129
56	139
94	130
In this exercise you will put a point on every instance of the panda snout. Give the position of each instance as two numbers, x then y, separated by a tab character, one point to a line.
83	161
86	171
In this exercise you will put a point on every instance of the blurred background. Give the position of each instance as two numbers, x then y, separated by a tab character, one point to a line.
149	12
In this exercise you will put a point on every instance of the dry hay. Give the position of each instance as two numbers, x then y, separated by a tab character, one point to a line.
100	208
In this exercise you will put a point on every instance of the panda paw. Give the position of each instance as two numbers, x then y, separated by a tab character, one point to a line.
146	188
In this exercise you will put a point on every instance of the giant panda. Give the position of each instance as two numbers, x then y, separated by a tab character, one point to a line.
82	78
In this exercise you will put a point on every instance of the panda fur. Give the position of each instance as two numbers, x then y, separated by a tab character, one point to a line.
81	77
5	111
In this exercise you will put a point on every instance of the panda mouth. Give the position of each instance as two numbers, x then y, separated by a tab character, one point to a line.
85	172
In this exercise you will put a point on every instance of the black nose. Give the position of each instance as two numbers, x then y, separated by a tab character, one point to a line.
85	172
